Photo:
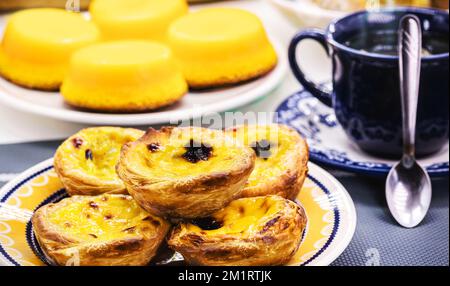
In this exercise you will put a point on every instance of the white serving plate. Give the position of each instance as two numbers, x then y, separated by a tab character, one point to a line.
329	208
194	104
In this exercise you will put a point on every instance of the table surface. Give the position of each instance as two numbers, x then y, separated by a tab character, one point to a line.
378	239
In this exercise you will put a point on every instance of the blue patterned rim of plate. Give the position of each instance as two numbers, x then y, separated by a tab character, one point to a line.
314	120
61	194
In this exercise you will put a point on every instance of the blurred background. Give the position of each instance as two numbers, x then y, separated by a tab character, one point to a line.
342	5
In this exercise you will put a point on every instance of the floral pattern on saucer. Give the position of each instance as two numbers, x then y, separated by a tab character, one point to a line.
329	144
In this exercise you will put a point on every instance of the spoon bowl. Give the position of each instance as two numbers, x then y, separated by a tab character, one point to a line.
407	193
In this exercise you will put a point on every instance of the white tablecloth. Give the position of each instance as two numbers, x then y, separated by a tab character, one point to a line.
17	127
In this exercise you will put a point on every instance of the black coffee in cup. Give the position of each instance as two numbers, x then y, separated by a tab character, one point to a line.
386	42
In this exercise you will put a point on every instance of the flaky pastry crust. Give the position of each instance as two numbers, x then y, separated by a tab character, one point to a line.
168	178
86	161
106	230
282	159
258	231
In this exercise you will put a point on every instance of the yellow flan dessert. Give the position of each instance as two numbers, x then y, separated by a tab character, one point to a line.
221	46
136	19
38	43
123	76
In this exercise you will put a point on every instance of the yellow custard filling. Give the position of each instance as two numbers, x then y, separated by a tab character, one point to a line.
102	218
244	216
270	163
104	156
97	150
169	160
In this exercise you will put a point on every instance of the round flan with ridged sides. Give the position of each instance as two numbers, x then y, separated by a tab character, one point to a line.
221	46
123	76
38	43
136	19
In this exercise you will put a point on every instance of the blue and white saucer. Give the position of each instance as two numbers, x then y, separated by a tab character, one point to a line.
329	144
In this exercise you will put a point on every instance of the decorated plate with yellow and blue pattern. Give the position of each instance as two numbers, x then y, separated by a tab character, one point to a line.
330	211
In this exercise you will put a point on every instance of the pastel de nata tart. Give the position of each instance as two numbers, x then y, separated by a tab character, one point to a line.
38	43
184	172
221	46
136	19
105	230
123	76
257	231
281	159
86	161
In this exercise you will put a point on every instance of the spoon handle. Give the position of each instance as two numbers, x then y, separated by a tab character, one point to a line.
410	49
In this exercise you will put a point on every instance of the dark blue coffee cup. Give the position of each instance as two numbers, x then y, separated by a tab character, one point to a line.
366	87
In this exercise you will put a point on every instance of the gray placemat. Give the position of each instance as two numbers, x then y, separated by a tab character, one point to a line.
378	239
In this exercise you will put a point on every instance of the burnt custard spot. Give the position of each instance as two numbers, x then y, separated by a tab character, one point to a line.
269	239
88	154
130	229
269	224
93	205
153	147
77	142
196	151
93	235
262	149
207	223
108	216
153	221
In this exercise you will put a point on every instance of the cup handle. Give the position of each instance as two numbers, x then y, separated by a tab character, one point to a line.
319	36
